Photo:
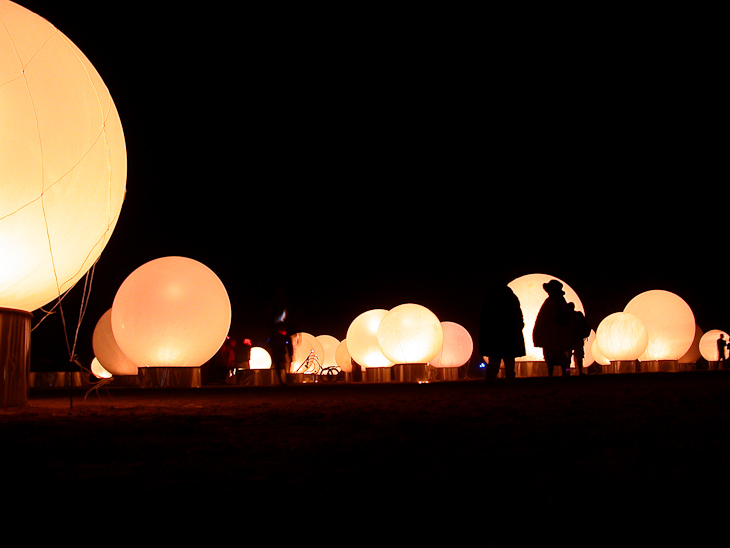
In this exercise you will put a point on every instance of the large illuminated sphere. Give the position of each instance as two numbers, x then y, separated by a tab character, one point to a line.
343	358
622	337
171	312
410	333
259	358
63	164
307	355
669	321
107	351
708	345
362	339
531	295
457	348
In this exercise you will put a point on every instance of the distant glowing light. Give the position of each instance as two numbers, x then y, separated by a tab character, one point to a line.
457	348
260	358
708	344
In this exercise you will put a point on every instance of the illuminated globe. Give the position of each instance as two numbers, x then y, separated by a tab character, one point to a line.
362	339
307	355
669	322
171	312
622	337
107	351
410	333
63	164
708	344
530	293
259	358
457	348
343	358
329	346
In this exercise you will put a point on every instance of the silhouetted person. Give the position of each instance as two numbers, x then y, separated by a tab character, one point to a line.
721	346
579	332
243	355
552	329
500	330
281	350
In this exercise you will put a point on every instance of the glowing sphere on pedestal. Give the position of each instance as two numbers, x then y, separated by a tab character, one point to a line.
410	333
63	164
329	346
531	295
622	337
708	344
171	312
107	351
457	348
669	322
308	353
343	358
259	358
362	339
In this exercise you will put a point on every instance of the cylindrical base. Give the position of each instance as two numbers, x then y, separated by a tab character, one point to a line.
411	372
14	357
660	366
445	373
169	377
378	374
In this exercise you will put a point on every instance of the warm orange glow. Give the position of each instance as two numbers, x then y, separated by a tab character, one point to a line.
308	354
531	295
457	348
343	358
98	370
622	337
171	312
329	346
410	333
62	161
362	339
259	359
669	321
107	351
708	344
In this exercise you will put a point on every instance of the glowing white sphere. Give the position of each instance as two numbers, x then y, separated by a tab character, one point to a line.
598	356
669	321
63	164
622	337
531	295
343	358
457	347
259	358
171	312
98	370
307	355
362	339
107	351
329	346
410	333
708	344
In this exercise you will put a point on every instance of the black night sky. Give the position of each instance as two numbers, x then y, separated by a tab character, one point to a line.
333	160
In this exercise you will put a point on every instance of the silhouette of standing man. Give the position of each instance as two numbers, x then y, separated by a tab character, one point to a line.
721	346
500	330
552	330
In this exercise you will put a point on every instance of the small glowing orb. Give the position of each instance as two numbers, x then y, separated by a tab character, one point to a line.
622	337
171	312
708	344
259	359
531	295
362	339
329	346
598	356
457	348
343	358
669	321
410	333
308	353
98	370
107	351
63	161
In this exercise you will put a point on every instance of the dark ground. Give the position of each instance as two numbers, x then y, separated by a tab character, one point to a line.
627	458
